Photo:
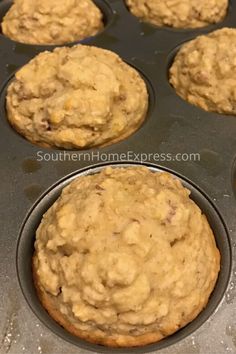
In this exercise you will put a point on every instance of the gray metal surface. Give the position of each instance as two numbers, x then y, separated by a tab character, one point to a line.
172	126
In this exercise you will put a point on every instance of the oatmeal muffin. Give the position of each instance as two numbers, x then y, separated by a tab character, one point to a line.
204	71
179	13
77	97
52	21
124	257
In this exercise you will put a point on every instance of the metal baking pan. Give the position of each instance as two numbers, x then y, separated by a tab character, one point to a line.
32	178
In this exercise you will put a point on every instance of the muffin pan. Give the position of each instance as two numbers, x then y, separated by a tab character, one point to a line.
30	185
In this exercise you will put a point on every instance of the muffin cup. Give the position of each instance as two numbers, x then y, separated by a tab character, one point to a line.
25	250
182	29
150	109
103	5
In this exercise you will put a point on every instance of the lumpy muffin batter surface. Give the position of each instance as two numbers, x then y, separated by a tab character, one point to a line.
124	257
179	13
77	97
204	71
52	21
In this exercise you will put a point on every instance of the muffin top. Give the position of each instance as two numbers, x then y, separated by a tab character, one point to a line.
204	71
76	98
52	21
124	257
179	13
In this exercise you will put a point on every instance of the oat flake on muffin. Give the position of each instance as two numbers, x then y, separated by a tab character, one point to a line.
179	13
124	257
77	97
52	21
204	71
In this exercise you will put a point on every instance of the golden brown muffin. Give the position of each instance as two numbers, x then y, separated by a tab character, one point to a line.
179	13
77	97
52	21
124	257
204	71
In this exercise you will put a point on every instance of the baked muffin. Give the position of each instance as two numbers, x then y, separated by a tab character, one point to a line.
52	21
204	71
124	257
179	13
77	97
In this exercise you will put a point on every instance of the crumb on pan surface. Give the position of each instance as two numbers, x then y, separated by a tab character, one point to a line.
179	13
124	257
52	21
77	97
204	71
